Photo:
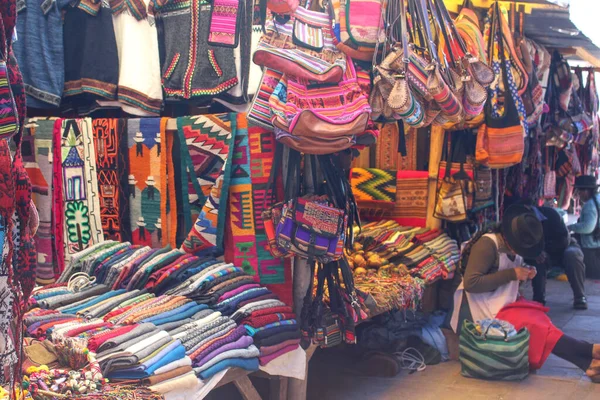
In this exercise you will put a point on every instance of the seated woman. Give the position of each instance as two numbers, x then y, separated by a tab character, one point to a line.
490	287
587	227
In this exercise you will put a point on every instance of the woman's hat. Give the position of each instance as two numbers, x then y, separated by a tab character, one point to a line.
523	231
586	182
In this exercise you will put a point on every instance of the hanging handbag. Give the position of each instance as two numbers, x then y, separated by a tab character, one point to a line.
358	27
260	110
301	46
451	202
310	228
500	141
326	110
484	194
483	356
563	80
550	176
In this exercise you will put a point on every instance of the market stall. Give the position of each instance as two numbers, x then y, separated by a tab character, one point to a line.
366	148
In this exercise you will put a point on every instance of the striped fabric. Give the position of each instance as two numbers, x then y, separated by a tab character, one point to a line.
337	104
493	358
8	111
500	147
307	35
260	111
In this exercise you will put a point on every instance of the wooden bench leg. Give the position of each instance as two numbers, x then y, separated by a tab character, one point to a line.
278	388
246	388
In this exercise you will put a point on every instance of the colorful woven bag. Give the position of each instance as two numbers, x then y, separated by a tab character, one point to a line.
310	228
260	110
359	25
484	356
327	110
301	46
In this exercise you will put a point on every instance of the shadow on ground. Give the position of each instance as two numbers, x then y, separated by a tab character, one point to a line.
333	374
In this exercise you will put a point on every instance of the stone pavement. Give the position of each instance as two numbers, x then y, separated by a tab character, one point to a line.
333	375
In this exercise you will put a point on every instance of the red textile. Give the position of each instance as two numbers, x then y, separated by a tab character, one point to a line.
259	322
98	340
543	334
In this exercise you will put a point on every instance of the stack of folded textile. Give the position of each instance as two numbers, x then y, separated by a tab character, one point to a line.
162	316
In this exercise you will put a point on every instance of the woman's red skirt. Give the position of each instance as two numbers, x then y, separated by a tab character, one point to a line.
543	334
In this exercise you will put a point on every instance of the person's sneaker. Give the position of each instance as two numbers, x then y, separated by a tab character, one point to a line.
580	304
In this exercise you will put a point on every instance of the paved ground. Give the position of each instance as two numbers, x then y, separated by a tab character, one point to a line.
333	374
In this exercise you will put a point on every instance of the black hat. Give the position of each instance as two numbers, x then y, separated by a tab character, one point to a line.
523	231
585	182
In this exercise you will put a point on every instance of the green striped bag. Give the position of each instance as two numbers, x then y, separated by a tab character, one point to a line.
493	357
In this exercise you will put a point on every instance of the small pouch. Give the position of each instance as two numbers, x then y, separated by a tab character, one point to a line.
308	29
224	23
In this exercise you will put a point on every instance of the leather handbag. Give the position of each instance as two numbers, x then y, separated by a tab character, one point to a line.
327	110
301	46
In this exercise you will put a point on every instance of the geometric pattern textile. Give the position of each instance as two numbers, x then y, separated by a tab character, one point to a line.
208	165
252	160
113	166
147	180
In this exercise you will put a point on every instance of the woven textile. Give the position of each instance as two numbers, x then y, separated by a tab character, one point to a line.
113	166
37	154
209	139
372	186
247	241
82	225
386	148
147	180
58	215
412	191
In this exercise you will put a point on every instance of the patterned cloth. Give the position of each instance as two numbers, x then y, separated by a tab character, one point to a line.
245	233
83	226
208	139
147	180
113	167
37	155
411	198
373	188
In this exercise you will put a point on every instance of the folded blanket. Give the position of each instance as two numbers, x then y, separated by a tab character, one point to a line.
158	378
277	338
248	364
207	346
138	331
66	299
267	350
184	362
184	382
264	360
96	341
242	343
185	311
176	354
249	352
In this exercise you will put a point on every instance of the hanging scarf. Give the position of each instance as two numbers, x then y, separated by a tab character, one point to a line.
38	132
147	180
209	146
83	226
113	169
247	241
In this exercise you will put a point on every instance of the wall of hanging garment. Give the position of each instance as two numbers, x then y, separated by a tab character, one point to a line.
125	180
134	55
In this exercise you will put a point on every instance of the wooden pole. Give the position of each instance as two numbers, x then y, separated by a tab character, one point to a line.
435	156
